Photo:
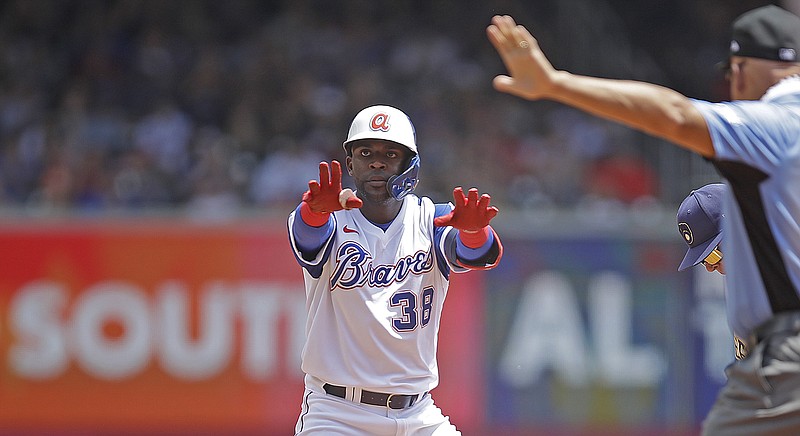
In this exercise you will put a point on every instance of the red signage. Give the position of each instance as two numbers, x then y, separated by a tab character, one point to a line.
175	326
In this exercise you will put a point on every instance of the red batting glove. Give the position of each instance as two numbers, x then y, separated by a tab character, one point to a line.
471	217
323	197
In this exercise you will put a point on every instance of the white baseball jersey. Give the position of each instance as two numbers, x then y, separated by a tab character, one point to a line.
375	297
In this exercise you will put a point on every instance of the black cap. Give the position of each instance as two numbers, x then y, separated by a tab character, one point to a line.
768	32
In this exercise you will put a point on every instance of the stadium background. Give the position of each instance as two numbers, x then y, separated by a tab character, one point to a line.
151	150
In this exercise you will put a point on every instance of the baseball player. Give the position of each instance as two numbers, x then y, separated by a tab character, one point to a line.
754	143
700	218
376	264
700	224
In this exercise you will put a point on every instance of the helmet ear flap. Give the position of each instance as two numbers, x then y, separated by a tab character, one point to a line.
404	183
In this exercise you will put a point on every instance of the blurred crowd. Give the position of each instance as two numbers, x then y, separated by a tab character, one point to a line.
215	107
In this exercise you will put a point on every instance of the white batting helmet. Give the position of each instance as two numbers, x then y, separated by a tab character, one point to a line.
383	122
389	124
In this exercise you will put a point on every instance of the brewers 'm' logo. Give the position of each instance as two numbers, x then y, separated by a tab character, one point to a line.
686	232
379	121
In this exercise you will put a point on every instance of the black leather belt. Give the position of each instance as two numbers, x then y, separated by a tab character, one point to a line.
392	401
780	323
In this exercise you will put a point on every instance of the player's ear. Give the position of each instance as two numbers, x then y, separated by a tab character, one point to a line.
348	162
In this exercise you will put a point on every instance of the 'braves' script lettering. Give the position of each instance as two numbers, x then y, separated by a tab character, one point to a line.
354	268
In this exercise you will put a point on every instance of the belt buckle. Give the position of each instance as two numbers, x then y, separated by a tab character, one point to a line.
389	402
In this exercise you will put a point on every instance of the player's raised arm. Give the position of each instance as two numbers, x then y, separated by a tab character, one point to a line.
653	109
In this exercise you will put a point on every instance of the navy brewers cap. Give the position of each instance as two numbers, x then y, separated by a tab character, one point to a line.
700	223
768	32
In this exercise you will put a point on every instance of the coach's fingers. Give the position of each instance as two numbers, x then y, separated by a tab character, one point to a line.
503	30
506	35
504	83
497	37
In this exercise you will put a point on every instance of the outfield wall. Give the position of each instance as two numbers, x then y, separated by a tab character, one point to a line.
166	326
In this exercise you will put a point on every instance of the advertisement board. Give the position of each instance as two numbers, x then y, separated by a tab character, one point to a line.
175	327
590	333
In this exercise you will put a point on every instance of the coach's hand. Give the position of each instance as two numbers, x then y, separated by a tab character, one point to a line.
327	195
531	75
471	214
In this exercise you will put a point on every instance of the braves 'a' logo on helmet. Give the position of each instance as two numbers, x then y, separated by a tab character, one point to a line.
380	121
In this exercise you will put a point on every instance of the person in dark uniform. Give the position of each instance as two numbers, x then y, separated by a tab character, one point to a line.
700	219
700	225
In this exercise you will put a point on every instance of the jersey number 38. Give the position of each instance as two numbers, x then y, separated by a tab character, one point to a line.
407	301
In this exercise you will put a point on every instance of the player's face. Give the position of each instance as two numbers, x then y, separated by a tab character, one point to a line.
371	163
714	261
718	267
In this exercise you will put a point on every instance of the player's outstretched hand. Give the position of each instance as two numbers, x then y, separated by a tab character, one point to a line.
327	195
532	75
471	213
